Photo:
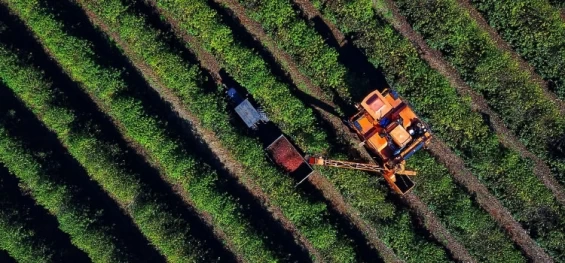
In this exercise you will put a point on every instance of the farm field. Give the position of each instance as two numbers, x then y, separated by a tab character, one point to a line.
125	134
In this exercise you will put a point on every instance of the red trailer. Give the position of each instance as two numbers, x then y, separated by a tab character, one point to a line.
284	154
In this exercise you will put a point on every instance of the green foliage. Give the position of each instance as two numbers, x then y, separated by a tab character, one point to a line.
76	216
492	73
249	70
359	189
185	81
17	234
509	177
278	20
535	30
300	40
195	177
99	157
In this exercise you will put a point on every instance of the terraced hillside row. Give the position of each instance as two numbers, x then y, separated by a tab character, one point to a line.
116	132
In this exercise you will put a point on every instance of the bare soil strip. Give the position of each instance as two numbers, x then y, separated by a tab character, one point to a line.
433	223
436	61
457	168
231	164
488	202
503	45
140	65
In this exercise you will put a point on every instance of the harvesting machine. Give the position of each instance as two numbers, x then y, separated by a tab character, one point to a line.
391	131
386	125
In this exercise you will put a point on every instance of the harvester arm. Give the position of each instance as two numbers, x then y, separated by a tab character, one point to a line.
353	165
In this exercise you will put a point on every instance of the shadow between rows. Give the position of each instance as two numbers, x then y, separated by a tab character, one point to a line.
365	77
88	113
361	74
178	128
63	169
346	229
38	219
5	257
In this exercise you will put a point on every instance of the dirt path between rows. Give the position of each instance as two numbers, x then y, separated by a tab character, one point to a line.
503	45
488	202
144	69
433	223
435	59
234	167
140	150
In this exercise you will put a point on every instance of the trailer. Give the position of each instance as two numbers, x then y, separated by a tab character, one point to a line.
283	153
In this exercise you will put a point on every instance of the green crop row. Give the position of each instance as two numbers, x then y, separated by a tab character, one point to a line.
156	220
294	36
76	216
299	39
185	81
296	119
196	178
17	236
360	190
509	177
535	30
509	91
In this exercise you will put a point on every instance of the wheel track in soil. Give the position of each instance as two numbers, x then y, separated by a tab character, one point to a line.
435	59
194	124
503	45
432	223
139	150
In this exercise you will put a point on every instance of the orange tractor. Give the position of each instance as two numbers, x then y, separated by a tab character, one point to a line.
388	127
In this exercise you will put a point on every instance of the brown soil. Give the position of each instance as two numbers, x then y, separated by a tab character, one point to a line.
329	191
488	202
231	164
144	69
436	61
284	59
140	150
503	45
